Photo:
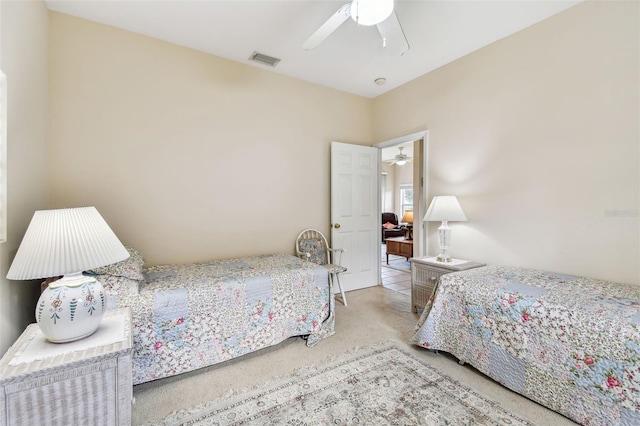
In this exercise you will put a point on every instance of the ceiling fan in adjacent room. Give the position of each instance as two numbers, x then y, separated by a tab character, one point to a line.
365	12
400	159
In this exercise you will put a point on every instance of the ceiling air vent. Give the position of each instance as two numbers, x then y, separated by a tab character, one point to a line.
264	59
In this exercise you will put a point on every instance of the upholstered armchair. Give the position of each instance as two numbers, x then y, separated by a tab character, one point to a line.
390	226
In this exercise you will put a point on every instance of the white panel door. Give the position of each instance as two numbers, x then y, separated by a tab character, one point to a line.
355	215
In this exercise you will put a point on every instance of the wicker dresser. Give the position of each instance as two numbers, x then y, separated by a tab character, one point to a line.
425	272
86	382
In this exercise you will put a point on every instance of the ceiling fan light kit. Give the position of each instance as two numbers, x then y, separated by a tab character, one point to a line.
400	159
365	12
370	12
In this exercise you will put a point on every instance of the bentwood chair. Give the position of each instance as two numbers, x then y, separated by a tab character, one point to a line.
312	246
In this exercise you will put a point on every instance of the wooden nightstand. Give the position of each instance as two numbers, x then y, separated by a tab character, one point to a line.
425	272
85	382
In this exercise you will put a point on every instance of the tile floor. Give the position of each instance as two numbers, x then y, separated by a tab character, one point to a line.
394	279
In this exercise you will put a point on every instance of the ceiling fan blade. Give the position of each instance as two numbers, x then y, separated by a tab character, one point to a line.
393	37
328	27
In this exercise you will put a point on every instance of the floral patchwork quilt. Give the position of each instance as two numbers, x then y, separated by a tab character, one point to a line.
569	343
191	316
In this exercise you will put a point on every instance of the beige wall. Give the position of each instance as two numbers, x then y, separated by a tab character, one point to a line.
390	188
23	58
396	176
190	156
538	135
404	176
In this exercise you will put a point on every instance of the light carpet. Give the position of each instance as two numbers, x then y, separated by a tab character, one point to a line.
380	384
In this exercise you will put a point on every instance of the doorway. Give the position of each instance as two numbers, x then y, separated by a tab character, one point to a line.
402	192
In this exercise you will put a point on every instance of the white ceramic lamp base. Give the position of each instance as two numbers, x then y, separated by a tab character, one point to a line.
71	308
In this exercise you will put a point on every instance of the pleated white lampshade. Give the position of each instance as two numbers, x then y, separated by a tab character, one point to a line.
445	208
65	241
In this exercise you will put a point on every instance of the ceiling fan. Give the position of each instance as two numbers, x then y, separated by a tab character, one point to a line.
365	12
400	159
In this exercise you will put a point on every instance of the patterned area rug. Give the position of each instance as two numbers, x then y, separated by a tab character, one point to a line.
395	262
401	264
378	385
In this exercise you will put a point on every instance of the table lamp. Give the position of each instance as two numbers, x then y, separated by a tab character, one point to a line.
67	242
407	218
445	208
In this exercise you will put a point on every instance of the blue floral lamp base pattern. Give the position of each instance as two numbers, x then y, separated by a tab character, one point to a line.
71	308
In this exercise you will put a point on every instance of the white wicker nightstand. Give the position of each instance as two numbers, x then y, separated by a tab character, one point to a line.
79	383
425	272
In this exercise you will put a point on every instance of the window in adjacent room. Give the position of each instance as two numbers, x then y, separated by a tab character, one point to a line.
3	157
406	198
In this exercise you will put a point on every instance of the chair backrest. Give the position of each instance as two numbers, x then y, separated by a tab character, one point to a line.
389	217
312	241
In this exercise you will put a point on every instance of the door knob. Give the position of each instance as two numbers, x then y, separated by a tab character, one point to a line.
337	225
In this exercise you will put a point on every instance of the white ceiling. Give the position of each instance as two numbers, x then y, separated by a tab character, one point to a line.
438	32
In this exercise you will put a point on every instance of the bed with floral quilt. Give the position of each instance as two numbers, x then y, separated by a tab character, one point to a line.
190	316
569	343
